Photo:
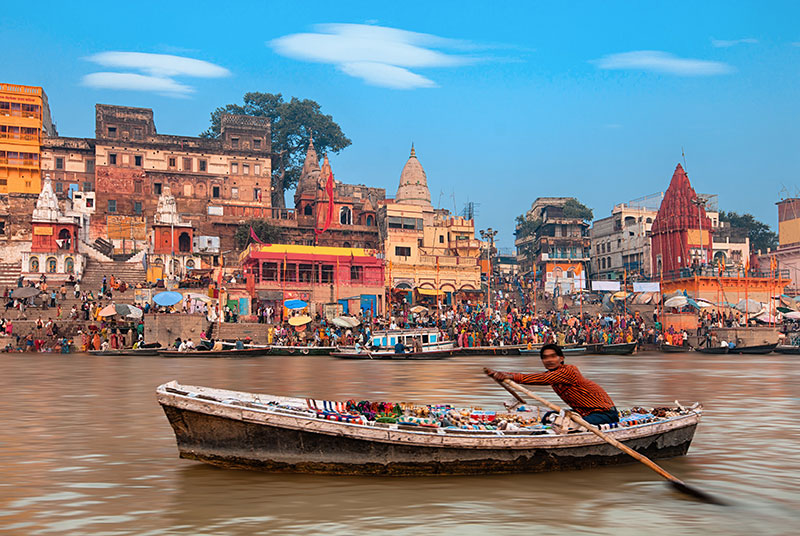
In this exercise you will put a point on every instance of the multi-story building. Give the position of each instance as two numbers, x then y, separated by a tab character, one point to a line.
428	251
556	254
620	242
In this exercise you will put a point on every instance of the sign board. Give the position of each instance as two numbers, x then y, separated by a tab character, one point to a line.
120	227
611	286
43	231
215	211
646	287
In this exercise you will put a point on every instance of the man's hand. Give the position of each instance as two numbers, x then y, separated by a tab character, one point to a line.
496	374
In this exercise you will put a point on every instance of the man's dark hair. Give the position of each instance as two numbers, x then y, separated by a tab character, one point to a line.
556	348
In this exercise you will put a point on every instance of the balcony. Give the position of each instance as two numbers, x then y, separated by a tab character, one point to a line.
19	162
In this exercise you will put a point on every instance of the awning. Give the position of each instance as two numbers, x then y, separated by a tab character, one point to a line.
430	292
273	295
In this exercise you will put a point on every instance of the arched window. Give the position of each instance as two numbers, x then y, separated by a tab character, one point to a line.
603	263
52	264
649	220
308	210
346	245
184	243
558	272
158	262
571	273
33	264
370	221
345	216
69	265
200	189
65	238
190	263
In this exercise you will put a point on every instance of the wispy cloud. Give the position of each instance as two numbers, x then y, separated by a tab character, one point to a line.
156	72
379	55
657	61
727	43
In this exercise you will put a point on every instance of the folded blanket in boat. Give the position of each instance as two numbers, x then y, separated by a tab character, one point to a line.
418	421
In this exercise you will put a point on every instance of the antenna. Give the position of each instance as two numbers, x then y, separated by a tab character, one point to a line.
439	204
684	161
455	210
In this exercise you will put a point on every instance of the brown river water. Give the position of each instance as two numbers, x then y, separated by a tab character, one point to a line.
85	449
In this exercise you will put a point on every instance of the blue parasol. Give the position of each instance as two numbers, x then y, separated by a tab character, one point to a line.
295	304
165	299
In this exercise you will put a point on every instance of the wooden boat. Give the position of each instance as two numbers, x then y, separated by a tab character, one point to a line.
492	350
301	350
246	352
712	350
419	356
385	340
787	349
673	348
757	349
279	434
127	352
625	348
566	350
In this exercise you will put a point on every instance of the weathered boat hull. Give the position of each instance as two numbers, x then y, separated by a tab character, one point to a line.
126	353
787	349
672	348
491	350
418	356
247	352
301	350
759	349
618	349
240	437
712	350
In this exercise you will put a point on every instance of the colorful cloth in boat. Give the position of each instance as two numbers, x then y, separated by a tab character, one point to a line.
582	395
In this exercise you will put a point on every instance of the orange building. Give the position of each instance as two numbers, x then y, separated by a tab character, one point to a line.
24	115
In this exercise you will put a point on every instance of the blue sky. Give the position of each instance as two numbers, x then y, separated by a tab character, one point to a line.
504	103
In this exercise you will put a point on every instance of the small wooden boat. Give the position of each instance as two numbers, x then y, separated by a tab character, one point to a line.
280	434
492	350
130	352
756	349
673	348
301	350
625	348
418	356
712	350
787	349
566	350
246	352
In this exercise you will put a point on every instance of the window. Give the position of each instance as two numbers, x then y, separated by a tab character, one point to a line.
269	271
345	216
234	169
59	187
256	194
306	273
90	166
137	134
89	202
441	239
157	188
257	170
59	163
308	211
137	207
245	169
69	265
215	192
370	221
137	160
326	275
420	243
356	273
171	162
235	143
112	205
2	227
33	264
52	264
187	164
112	132
234	193
202	165
290	272
137	187
402	251
112	159
256	143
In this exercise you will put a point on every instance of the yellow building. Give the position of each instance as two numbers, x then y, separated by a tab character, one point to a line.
429	252
24	115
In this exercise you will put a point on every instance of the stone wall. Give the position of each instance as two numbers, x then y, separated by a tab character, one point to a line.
747	336
165	328
242	330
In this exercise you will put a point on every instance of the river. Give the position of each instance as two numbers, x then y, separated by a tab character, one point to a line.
85	449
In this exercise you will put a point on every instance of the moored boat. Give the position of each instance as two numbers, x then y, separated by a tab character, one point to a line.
566	350
301	350
281	434
625	348
245	352
787	349
673	348
383	354
492	350
130	352
712	350
755	349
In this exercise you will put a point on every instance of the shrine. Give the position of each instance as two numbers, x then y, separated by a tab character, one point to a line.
171	251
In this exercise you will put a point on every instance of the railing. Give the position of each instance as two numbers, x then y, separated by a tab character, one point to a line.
15	88
21	113
17	136
19	162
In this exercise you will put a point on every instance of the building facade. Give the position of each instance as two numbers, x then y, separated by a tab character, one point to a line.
620	243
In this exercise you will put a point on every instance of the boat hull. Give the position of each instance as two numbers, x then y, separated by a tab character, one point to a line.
417	356
760	349
787	349
491	350
301	350
238	437
672	349
126	353
712	350
618	349
247	352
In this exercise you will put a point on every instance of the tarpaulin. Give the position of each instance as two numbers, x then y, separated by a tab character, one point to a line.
612	286
646	287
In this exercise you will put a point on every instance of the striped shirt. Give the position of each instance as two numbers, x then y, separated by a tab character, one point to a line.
582	395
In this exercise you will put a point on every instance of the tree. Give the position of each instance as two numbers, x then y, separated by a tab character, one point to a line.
293	123
575	209
265	231
526	226
745	225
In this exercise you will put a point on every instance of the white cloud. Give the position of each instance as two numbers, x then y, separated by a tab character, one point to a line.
378	55
136	82
661	62
156	72
726	43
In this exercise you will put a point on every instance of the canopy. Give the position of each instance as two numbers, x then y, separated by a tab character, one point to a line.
430	292
677	301
168	298
419	309
703	303
25	292
295	304
108	310
200	297
346	321
299	320
767	318
794	315
750	306
621	295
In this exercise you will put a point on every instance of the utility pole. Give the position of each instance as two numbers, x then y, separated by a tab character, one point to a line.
489	235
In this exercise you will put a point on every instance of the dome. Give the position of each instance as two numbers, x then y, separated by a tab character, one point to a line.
413	189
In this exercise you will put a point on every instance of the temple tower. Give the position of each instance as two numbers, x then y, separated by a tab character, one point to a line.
413	189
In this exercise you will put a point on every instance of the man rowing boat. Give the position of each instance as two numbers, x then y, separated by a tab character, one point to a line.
584	396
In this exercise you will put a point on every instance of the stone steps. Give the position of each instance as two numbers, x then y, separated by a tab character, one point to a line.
9	273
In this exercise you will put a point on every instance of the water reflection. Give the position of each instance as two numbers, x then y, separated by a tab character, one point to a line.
85	449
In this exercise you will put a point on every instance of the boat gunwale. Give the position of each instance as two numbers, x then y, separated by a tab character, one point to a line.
430	437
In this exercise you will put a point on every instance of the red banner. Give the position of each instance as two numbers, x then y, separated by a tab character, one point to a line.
329	215
254	236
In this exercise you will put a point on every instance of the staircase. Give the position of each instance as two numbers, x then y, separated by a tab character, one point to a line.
9	273
129	272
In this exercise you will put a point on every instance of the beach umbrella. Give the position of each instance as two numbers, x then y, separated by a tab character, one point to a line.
108	310
25	292
677	301
621	295
703	303
130	311
419	309
199	297
340	321
656	298
767	318
301	320
300	328
749	306
794	315
165	299
295	304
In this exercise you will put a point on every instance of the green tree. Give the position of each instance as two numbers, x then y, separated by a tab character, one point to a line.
575	209
267	232
745	225
526	226
293	123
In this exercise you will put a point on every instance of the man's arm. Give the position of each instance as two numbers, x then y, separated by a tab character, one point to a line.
560	375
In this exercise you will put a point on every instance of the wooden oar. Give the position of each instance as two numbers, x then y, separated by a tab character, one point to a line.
676	483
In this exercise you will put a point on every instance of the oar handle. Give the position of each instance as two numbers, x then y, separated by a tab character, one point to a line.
579	420
506	387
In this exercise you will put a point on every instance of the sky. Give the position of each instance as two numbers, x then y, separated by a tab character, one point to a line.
504	102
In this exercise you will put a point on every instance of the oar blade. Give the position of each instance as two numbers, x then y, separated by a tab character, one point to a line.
695	493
